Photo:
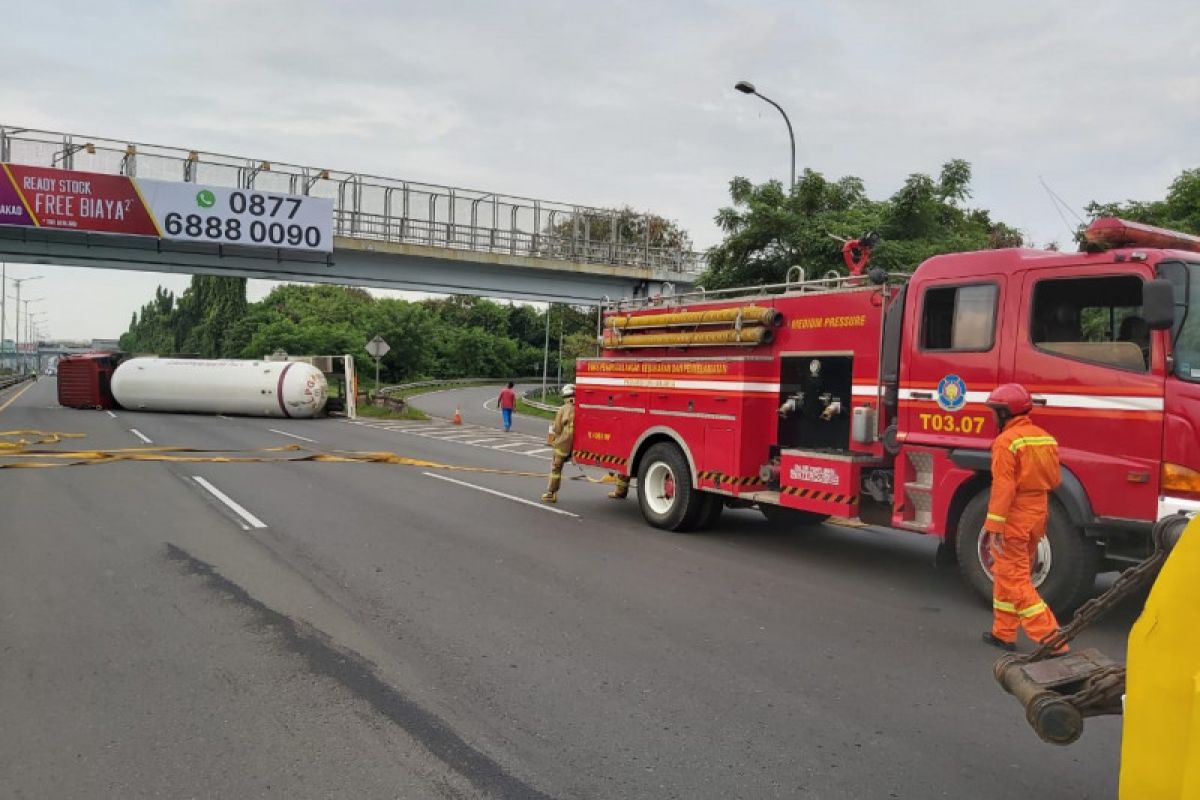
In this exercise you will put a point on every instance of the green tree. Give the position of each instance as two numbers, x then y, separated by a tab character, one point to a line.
623	226
768	230
1179	210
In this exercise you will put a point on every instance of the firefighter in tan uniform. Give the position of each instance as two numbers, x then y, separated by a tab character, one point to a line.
561	438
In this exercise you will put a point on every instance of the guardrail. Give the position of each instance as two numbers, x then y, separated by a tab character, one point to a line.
12	380
383	209
386	391
401	387
527	397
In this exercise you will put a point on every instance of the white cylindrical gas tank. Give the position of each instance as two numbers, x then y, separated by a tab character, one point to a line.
252	388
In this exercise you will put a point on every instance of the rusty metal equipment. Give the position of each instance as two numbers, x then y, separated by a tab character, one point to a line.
1058	692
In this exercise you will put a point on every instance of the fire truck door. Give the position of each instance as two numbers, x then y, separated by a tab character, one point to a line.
1082	348
953	344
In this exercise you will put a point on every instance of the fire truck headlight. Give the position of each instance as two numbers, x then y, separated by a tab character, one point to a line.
1178	478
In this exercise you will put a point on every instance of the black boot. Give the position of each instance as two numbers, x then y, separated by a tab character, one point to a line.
988	638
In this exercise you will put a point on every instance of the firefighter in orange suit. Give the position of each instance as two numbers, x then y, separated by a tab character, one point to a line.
1024	471
561	438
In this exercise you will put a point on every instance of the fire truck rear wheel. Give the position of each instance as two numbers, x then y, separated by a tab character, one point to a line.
1064	569
666	495
781	515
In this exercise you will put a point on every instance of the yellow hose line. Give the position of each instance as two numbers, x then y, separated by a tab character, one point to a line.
39	437
18	455
752	336
749	315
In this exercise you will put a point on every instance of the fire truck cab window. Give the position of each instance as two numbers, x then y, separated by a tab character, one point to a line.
1092	319
959	318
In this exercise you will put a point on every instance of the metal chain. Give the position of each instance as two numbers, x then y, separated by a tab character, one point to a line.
1130	580
1101	692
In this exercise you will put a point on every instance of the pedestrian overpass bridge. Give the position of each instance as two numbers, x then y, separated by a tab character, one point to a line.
387	233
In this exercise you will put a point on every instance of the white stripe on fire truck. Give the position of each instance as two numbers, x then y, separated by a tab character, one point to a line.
1098	402
698	414
602	407
677	383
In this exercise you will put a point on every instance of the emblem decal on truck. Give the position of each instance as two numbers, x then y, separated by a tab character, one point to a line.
952	393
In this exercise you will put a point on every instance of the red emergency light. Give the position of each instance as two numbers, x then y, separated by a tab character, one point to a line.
1114	232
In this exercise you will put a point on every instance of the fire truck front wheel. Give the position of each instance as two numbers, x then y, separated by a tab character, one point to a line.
1064	567
665	492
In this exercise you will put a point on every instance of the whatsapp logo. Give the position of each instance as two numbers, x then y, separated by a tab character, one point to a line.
205	198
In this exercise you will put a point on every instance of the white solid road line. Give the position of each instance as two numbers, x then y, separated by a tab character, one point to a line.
140	435
250	519
514	498
293	435
111	414
487	404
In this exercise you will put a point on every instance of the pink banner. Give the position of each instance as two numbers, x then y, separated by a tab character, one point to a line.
69	200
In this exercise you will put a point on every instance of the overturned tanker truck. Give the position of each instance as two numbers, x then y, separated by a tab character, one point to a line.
295	388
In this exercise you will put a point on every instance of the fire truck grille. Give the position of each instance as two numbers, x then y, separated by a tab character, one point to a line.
825	497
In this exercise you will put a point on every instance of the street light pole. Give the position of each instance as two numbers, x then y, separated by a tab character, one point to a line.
3	311
24	362
17	330
745	87
546	356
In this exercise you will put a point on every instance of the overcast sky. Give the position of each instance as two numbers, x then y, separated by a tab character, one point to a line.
617	103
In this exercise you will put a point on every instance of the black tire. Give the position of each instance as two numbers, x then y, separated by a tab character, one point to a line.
681	510
783	516
1074	561
711	506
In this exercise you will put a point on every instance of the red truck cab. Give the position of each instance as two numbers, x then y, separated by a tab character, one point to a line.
864	399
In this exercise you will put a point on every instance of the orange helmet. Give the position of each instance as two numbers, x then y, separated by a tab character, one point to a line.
1012	398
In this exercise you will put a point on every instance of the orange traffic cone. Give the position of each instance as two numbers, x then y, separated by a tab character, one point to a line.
457	416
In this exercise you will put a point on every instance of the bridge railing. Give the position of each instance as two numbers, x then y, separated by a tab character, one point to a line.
380	208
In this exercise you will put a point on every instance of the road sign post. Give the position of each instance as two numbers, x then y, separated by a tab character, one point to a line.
377	348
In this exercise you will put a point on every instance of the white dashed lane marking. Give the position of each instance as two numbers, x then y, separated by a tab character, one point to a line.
512	497
248	519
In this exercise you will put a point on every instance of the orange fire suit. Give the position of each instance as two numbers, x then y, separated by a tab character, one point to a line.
1024	470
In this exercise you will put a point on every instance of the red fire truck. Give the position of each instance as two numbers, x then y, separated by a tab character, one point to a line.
862	397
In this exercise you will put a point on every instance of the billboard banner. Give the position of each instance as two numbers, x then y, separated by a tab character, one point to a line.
240	216
44	197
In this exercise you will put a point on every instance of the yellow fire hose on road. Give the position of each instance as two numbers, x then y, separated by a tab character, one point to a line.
23	450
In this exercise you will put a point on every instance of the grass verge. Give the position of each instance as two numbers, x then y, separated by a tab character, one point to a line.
380	412
528	410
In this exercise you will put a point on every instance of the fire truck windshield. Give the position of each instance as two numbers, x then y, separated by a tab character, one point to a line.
1185	333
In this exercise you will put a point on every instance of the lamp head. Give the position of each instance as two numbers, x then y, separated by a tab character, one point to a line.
746	87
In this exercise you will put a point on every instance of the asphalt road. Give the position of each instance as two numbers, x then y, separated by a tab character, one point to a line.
365	630
478	407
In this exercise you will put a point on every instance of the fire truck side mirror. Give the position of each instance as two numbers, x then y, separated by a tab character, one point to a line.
1158	304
